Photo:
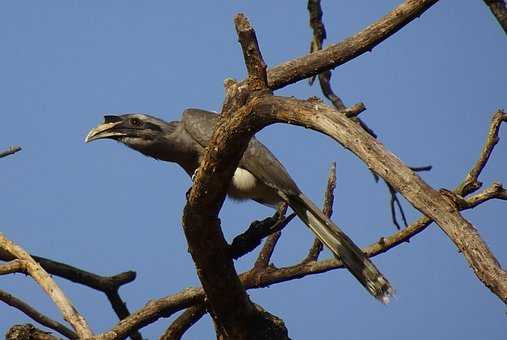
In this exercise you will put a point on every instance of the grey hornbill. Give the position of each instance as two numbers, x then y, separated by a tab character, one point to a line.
259	176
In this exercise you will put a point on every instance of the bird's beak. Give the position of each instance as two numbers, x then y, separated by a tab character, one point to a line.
104	130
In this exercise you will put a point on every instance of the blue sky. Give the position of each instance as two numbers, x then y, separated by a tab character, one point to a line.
430	92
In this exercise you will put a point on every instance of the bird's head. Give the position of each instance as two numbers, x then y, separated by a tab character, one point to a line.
138	131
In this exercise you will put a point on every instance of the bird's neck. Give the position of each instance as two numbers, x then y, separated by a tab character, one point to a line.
177	148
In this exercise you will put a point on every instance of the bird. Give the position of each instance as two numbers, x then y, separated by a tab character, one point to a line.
260	176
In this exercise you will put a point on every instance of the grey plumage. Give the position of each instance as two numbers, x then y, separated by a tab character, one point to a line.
259	176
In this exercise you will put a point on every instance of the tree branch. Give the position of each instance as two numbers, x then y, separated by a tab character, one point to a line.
109	285
68	311
13	301
183	322
499	10
11	150
27	332
317	116
316	248
471	183
201	225
252	279
338	54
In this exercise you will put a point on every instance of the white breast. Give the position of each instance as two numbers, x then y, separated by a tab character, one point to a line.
244	185
243	182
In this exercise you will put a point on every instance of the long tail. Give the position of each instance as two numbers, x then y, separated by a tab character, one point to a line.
341	246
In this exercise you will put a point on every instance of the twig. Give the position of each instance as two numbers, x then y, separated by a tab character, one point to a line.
395	201
269	246
13	301
267	251
14	266
46	282
499	10
183	322
471	183
256	67
313	253
11	150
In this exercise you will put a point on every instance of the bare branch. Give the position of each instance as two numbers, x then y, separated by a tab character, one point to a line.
154	310
257	76
183	322
28	332
499	10
13	301
269	246
471	183
14	266
109	285
316	248
317	116
46	282
201	225
338	54
11	150
253	279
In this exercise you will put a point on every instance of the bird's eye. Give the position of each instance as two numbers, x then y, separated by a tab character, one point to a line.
135	122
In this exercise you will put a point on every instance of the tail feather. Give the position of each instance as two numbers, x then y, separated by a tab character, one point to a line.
342	246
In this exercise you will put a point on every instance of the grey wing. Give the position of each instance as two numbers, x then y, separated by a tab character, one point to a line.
199	124
265	166
257	158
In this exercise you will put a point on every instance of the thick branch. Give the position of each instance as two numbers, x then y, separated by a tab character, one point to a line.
317	116
206	242
499	10
46	282
13	301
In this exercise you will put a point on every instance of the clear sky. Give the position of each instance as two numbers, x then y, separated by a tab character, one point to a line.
430	92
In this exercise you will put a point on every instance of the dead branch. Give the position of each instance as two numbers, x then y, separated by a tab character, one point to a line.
313	253
154	310
68	311
337	54
27	332
165	307
499	10
14	266
17	303
471	183
317	116
109	285
183	322
200	217
10	151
